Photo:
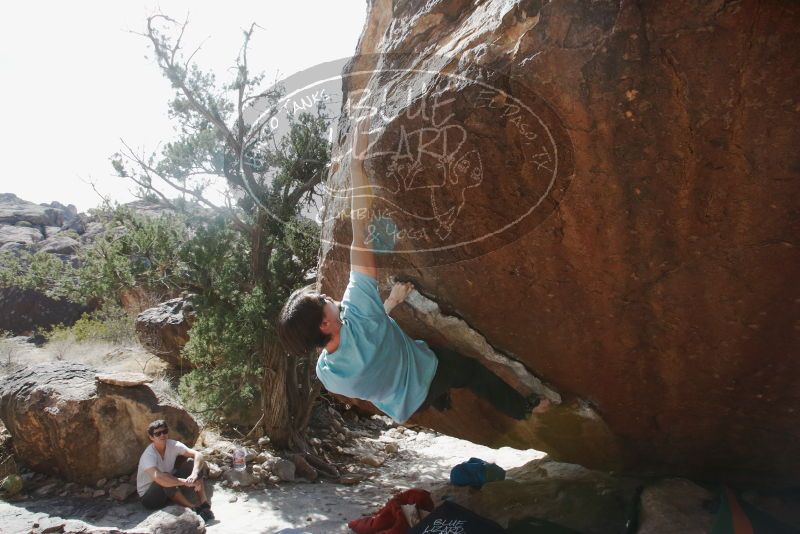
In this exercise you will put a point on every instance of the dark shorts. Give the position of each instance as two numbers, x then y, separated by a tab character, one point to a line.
158	496
456	371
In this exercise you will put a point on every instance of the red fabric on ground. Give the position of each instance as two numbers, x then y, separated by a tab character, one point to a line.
390	518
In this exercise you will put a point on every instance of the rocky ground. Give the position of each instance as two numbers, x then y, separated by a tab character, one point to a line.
378	459
418	459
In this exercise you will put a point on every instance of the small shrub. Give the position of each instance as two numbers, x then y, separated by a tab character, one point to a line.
60	340
70	233
111	325
8	350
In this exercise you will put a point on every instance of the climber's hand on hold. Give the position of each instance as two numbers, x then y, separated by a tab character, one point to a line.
399	292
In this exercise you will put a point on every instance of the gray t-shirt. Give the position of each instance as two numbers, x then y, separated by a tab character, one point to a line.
151	458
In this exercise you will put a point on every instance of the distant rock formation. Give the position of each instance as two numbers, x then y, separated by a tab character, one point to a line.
607	193
14	210
66	422
53	229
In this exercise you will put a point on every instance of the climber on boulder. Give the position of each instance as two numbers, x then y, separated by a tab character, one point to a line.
366	355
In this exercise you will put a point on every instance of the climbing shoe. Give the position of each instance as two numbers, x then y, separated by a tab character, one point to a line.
532	401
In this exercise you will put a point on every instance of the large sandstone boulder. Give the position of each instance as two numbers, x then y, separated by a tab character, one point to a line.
164	330
608	193
65	422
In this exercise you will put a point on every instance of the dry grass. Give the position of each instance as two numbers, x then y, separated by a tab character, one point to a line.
101	355
10	349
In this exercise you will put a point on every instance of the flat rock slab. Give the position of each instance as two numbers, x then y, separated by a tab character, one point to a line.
124	379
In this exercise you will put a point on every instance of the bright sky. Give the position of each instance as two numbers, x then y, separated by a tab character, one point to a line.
75	79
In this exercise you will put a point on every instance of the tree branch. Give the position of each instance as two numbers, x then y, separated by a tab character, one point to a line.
165	56
148	169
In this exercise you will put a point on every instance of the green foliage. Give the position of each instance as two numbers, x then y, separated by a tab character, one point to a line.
110	324
40	271
221	345
237	306
134	251
229	315
70	233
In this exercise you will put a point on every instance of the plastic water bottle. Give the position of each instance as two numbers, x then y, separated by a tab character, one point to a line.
239	460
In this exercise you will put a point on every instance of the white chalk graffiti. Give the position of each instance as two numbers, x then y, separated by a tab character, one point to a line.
456	172
427	152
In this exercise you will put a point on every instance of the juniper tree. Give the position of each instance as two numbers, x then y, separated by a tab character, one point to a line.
257	248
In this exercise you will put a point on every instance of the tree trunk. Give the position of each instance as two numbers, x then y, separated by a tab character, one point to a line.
278	420
288	396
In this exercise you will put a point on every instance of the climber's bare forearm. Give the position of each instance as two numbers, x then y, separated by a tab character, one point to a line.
388	306
362	257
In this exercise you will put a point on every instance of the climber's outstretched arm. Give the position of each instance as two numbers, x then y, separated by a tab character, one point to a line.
362	257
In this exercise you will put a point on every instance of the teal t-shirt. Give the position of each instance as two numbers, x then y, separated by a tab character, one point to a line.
376	360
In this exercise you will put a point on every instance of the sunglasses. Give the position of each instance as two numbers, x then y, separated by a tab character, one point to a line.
158	433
